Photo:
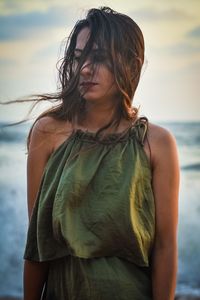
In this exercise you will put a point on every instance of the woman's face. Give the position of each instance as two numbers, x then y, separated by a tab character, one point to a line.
100	85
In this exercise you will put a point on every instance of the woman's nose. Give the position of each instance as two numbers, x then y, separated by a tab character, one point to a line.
86	68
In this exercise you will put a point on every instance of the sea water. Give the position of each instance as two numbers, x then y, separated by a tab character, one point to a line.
13	206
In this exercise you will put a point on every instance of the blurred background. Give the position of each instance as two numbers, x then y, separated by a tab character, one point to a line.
32	39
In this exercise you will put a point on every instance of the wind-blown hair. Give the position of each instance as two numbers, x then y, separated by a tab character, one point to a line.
120	45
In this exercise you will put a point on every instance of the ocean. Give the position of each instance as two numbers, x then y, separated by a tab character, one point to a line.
13	206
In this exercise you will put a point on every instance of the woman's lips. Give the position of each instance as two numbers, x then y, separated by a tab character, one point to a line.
88	84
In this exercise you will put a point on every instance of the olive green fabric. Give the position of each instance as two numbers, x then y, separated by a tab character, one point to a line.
94	218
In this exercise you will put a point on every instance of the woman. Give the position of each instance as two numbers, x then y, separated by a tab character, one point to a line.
102	181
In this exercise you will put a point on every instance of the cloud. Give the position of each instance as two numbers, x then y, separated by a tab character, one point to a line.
46	53
6	62
184	48
195	32
150	14
13	7
19	26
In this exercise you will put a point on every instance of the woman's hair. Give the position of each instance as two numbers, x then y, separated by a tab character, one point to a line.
120	46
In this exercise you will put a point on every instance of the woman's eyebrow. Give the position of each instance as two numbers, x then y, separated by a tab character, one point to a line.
95	50
78	50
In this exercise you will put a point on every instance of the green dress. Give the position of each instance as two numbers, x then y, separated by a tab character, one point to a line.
94	218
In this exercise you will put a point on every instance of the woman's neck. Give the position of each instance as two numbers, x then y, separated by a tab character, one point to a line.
97	116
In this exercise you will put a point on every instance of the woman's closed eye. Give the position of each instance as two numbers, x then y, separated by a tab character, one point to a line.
95	57
99	57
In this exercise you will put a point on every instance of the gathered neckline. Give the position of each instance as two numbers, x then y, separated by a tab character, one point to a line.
109	137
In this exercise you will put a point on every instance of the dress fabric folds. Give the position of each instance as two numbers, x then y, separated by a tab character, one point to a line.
94	218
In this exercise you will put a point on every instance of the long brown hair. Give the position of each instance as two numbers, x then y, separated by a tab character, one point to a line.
122	40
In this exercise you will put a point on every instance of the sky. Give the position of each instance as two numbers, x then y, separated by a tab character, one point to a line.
33	35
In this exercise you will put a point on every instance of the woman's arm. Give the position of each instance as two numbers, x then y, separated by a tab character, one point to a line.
40	148
35	275
166	188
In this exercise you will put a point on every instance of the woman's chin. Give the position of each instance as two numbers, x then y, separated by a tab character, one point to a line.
91	97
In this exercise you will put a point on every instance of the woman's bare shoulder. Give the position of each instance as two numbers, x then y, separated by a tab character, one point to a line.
161	140
159	134
51	125
50	131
